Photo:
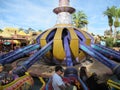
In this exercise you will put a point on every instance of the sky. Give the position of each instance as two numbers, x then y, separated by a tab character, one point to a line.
38	14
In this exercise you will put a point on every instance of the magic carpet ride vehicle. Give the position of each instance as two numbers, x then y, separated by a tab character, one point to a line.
24	82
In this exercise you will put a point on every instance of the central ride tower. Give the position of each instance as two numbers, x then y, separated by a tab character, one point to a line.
66	38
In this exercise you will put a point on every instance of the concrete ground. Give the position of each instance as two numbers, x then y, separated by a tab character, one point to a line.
40	68
44	70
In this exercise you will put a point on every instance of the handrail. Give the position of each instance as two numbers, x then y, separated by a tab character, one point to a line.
83	84
43	82
113	84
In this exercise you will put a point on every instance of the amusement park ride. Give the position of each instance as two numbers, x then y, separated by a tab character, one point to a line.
63	44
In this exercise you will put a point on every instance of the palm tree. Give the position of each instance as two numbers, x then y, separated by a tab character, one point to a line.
109	13
29	30
80	19
116	15
21	29
40	30
1	30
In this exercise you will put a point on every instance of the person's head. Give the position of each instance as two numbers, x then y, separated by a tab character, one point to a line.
83	71
59	69
94	75
83	68
1	67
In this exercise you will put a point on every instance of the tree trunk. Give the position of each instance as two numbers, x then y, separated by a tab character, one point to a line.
111	31
115	35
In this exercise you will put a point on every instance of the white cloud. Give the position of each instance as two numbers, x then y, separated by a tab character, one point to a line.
29	15
38	14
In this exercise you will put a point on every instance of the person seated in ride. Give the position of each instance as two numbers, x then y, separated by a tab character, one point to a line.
6	76
15	76
83	74
2	75
57	82
93	84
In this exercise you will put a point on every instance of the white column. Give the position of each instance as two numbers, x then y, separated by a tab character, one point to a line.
64	18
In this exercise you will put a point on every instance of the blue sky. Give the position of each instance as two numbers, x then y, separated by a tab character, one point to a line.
38	14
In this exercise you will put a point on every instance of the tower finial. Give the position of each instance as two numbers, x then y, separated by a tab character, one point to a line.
63	3
64	12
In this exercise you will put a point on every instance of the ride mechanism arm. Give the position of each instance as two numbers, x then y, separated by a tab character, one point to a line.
107	52
23	68
108	49
13	52
18	54
68	54
115	67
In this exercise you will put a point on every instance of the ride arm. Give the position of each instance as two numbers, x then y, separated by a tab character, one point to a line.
19	53
107	51
115	67
68	54
28	63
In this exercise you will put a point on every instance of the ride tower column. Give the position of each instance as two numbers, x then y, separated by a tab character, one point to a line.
64	19
64	12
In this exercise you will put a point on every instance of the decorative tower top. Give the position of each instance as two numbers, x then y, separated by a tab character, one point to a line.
63	3
64	12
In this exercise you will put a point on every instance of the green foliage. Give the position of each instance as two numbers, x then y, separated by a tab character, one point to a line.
1	30
118	32
92	34
80	19
110	20
117	43
110	13
29	30
113	13
21	29
116	23
40	30
109	42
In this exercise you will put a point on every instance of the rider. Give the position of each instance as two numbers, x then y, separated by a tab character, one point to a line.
57	81
83	74
5	75
2	75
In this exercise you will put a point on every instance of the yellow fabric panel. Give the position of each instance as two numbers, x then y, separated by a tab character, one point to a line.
58	50
74	42
43	38
88	40
81	55
63	25
58	34
43	41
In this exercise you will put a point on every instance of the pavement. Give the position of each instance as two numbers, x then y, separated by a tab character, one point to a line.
45	70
